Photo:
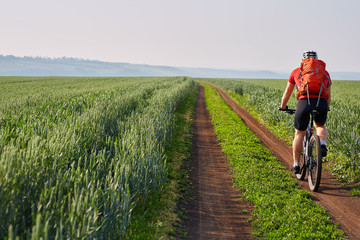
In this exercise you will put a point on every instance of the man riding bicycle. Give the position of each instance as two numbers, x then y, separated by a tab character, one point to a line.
308	100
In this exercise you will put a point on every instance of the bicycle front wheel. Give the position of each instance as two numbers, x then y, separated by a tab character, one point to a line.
315	166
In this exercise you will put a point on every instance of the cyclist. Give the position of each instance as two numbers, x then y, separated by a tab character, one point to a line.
305	105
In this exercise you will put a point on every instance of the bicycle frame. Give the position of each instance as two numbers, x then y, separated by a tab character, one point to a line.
307	149
310	160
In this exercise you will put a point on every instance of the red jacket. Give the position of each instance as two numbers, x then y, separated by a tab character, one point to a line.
295	78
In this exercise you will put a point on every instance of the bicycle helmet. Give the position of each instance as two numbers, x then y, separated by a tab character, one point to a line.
309	54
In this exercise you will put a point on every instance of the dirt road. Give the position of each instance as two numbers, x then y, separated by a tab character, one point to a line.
214	211
344	208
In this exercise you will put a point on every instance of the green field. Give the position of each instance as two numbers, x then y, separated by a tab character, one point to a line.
77	155
263	96
95	157
342	91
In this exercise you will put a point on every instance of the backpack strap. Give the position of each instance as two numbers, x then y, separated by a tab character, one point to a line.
307	87
307	91
322	86
327	78
299	77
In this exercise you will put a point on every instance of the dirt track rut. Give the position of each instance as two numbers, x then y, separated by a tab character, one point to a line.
213	210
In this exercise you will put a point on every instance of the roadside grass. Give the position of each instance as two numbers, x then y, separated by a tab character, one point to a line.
282	210
157	217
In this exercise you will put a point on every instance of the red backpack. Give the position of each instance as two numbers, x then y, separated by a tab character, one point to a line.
313	78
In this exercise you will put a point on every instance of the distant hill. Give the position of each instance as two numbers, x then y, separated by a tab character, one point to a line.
40	66
345	75
30	66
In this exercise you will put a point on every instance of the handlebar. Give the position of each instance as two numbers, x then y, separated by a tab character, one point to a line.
291	111
287	110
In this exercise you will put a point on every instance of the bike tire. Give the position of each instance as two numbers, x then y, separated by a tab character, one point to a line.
315	166
302	173
303	158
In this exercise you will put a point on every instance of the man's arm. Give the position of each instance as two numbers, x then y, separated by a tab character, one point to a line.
287	94
328	89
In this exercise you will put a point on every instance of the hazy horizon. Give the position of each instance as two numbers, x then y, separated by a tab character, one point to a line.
11	65
230	34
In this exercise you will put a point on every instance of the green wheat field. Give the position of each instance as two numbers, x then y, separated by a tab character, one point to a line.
77	153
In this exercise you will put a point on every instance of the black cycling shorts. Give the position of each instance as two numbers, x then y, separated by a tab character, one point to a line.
303	109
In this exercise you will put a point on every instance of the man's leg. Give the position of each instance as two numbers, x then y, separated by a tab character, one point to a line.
322	132
301	120
298	146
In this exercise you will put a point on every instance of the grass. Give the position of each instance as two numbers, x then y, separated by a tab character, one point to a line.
76	159
157	217
355	191
282	210
102	158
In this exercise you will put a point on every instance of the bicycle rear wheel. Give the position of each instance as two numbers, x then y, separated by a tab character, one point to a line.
315	166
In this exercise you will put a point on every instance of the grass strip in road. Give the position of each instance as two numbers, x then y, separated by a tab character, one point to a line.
157	217
282	210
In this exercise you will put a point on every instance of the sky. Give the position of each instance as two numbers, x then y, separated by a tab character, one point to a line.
224	34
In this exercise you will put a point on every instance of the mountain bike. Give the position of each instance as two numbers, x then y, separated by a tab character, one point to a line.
311	157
